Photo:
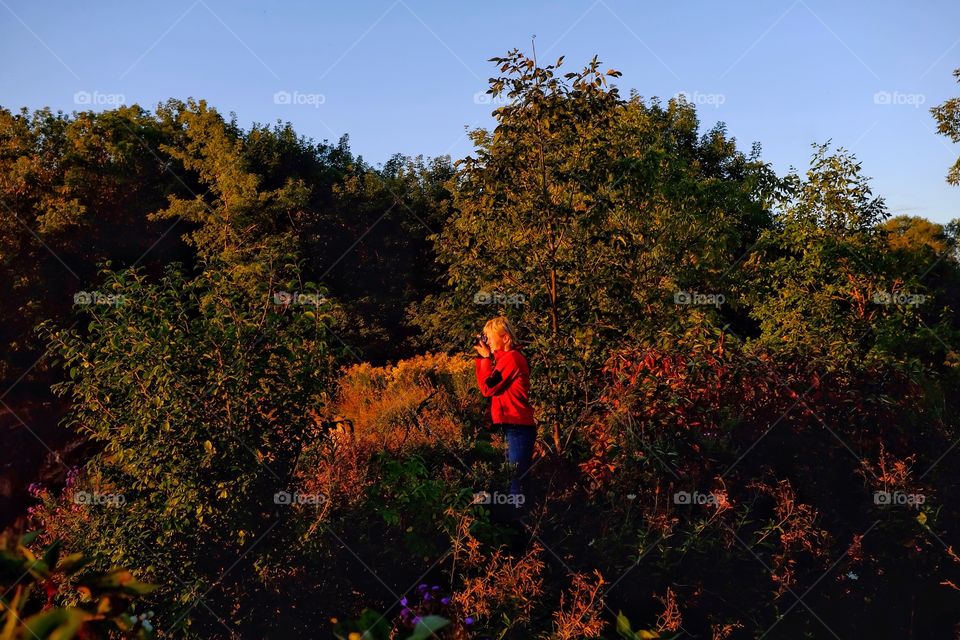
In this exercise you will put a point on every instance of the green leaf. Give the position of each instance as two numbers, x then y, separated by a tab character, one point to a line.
71	563
625	630
119	580
373	625
52	553
427	627
28	538
61	624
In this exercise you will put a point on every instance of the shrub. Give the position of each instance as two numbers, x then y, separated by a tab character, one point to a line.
97	604
194	391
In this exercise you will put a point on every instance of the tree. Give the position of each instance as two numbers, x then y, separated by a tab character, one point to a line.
75	191
581	216
361	230
196	395
811	264
833	280
370	244
947	116
914	233
234	220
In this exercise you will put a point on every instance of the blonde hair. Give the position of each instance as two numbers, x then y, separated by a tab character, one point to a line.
501	325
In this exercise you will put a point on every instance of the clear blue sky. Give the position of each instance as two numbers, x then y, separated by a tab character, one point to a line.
401	75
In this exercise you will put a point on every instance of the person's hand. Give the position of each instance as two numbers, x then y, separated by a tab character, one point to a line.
483	350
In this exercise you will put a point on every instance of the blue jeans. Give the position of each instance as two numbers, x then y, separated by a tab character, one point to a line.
520	439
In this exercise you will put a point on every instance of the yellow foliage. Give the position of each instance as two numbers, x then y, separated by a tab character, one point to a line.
412	403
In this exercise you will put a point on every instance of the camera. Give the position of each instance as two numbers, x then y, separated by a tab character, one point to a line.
480	339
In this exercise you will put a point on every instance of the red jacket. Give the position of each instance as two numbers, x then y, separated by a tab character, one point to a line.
508	384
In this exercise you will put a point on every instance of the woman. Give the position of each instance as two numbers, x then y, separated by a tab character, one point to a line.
504	376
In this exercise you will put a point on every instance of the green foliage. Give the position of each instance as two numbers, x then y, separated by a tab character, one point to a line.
240	219
427	627
267	190
374	626
806	266
823	281
370	625
125	185
74	191
586	213
106	599
384	217
947	116
625	630
194	392
405	490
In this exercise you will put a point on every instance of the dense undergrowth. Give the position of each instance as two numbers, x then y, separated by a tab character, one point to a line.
745	384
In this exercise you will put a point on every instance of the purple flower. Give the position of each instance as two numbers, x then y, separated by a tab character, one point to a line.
468	620
444	600
403	601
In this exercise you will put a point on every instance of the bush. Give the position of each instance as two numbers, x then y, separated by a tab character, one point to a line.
195	393
96	605
398	425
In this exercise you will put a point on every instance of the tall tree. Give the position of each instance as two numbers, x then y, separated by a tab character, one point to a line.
75	191
947	116
581	216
